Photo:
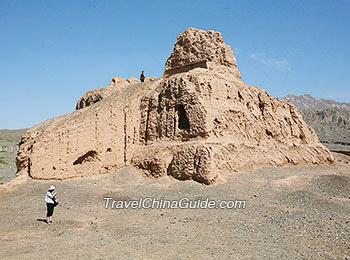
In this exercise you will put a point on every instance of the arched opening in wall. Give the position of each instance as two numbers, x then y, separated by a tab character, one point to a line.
183	122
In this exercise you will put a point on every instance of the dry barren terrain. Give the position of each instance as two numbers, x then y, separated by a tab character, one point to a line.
291	213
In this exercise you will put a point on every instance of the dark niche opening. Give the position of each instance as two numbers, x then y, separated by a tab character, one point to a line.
184	123
88	157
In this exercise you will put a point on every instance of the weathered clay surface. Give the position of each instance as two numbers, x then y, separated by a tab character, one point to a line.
199	124
93	96
202	49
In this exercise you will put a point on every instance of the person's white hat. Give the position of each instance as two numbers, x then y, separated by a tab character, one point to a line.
52	187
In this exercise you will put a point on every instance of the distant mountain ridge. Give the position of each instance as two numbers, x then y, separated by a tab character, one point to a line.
330	119
306	101
12	135
329	123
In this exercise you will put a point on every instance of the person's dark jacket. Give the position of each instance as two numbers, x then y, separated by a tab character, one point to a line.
142	77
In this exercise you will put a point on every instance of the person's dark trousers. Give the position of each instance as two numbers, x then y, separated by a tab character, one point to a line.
50	207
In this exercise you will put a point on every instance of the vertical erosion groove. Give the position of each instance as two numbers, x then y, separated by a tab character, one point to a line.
29	163
147	121
125	137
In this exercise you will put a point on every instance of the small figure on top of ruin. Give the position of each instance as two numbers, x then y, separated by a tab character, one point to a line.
142	76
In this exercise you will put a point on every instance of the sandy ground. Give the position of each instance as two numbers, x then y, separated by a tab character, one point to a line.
291	213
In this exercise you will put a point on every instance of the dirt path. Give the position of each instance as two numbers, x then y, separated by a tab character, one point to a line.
291	213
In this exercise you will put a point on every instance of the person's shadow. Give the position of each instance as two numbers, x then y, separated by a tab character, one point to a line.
41	220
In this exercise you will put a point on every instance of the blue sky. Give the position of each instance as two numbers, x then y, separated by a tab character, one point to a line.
52	52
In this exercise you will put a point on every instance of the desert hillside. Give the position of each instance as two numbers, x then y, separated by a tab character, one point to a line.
330	119
9	140
332	126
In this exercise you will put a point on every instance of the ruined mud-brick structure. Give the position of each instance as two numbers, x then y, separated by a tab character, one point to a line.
199	122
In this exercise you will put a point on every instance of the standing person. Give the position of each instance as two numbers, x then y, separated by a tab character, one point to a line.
50	200
142	76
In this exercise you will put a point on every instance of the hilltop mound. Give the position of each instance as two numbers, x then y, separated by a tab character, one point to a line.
199	121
